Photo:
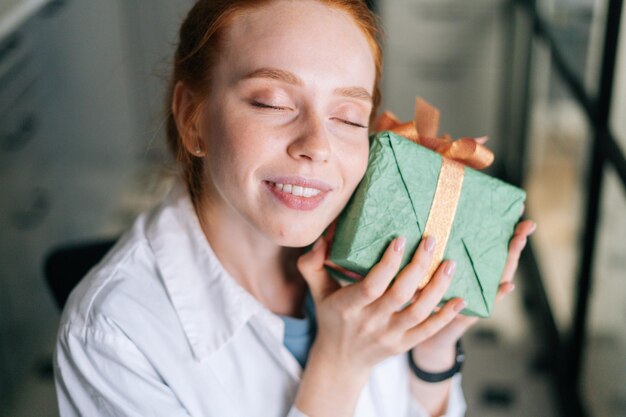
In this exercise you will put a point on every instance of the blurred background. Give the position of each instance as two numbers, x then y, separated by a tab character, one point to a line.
82	152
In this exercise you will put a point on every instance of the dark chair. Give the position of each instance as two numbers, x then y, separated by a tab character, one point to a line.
65	266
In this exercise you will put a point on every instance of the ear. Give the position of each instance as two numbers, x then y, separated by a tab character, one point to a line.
185	108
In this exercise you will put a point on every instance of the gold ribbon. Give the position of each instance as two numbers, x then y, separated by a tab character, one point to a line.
423	131
456	154
442	211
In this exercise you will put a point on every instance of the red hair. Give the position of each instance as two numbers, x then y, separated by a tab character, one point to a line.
199	46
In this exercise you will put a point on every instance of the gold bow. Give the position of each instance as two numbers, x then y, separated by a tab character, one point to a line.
423	131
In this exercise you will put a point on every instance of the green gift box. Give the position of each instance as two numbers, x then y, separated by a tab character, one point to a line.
394	199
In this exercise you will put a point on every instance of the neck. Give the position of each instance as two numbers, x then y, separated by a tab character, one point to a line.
265	269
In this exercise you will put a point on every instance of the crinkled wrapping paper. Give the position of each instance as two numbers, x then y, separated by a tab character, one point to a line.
394	199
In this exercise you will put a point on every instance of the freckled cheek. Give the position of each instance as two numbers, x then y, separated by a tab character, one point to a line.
354	168
363	161
239	154
231	161
360	162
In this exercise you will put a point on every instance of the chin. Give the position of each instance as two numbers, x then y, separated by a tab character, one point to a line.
296	237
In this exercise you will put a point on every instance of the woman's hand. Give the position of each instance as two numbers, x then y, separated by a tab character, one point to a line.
364	323
436	354
446	338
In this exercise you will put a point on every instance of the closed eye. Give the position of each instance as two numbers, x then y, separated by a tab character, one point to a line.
349	123
268	106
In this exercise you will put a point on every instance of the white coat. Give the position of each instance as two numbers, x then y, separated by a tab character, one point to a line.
159	328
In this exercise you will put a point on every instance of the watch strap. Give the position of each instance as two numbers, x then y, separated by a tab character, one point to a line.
459	358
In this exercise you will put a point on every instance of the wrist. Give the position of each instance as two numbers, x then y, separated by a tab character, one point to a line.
344	371
330	387
434	360
435	371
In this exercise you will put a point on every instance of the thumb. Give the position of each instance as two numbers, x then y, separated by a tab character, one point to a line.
311	266
482	140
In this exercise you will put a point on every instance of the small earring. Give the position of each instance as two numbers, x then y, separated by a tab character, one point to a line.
198	150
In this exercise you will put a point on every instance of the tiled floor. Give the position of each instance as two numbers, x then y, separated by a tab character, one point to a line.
500	378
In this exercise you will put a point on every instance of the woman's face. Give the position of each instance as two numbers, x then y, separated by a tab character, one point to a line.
286	123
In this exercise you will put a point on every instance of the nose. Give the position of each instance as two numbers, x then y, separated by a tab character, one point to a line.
311	143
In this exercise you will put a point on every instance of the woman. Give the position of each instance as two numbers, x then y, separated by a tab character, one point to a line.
193	312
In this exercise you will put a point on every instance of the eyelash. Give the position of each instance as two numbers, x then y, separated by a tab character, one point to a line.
267	106
349	123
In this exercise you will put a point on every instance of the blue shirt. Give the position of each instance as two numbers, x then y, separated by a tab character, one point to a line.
300	332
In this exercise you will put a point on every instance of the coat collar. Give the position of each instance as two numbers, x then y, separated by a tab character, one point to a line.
210	304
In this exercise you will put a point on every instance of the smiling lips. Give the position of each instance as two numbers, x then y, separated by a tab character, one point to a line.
298	193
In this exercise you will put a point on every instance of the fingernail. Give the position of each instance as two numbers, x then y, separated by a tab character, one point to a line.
318	244
430	244
460	306
533	228
450	268
399	244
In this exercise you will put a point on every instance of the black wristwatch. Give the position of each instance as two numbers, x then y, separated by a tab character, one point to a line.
459	358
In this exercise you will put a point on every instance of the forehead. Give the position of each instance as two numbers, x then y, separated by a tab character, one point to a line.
302	36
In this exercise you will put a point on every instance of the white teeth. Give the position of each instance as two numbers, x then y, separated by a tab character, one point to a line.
311	192
297	190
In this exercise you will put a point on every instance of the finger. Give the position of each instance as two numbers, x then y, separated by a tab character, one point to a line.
428	298
435	323
459	326
311	266
408	280
504	289
516	246
482	140
374	285
453	331
525	227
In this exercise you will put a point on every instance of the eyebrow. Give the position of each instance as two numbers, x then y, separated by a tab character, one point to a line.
275	74
291	78
354	92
